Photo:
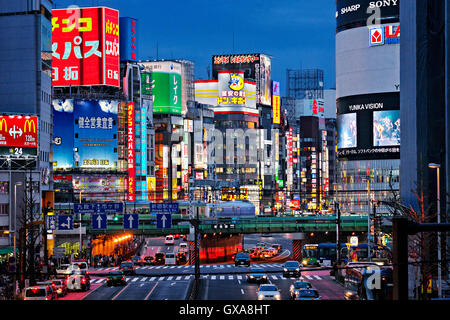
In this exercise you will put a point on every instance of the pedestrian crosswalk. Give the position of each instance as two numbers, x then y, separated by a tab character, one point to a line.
140	279
208	266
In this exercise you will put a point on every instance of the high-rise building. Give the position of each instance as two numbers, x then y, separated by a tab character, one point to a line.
25	91
424	101
368	106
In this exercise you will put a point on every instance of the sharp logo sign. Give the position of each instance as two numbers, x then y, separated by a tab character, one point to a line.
384	35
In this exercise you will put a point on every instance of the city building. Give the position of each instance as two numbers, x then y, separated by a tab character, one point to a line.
368	107
25	108
424	101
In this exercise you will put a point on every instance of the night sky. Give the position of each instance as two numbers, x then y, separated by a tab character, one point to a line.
296	33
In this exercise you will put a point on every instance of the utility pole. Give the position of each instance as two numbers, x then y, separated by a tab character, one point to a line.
338	232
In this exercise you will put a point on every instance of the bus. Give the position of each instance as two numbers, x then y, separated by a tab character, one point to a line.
359	282
322	254
381	255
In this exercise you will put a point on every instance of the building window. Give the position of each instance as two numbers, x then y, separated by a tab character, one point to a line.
4	187
4	208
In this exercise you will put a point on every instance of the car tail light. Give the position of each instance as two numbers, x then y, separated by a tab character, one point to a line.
47	298
83	280
123	278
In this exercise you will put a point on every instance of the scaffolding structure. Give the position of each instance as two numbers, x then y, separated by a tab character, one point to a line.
304	83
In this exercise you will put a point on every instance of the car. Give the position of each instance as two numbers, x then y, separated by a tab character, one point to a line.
169	241
307	294
257	275
265	254
170	258
149	260
60	286
183	247
181	257
160	258
268	292
242	259
277	247
176	236
115	277
78	280
291	268
64	269
184	237
81	264
138	261
127	267
40	292
298	285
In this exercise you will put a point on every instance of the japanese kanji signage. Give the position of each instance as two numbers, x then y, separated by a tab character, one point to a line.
85	46
128	39
18	135
276	102
131	157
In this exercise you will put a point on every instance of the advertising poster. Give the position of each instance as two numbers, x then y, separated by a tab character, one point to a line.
346	127
85	46
256	67
276	102
386	128
95	134
63	134
18	136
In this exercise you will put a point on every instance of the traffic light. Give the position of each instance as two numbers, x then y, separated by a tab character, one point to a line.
116	217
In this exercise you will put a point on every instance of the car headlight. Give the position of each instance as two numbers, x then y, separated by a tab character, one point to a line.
297	269
285	269
264	277
251	277
277	296
260	296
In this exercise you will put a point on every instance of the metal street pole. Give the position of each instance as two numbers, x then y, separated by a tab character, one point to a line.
15	232
79	226
437	167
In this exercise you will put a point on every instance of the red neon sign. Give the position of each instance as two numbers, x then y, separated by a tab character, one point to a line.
131	158
18	131
85	46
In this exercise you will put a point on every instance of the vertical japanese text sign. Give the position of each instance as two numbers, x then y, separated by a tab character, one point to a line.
85	46
131	156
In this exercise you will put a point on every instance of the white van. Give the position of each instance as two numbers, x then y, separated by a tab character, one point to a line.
183	247
169	241
170	258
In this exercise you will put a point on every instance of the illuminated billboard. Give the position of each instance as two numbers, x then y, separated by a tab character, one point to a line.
85	47
386	128
346	125
131	153
63	134
18	136
95	134
368	126
276	102
165	85
128	39
256	67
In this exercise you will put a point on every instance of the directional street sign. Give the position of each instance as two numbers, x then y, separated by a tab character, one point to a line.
65	222
163	221
90	208
98	221
164	207
51	223
131	221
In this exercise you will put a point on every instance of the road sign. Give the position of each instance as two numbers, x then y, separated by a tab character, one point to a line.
51	223
163	221
65	222
131	221
90	208
164	207
98	221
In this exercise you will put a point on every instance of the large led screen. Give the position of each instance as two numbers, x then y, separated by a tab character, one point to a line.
386	128
18	136
347	132
85	134
63	134
95	131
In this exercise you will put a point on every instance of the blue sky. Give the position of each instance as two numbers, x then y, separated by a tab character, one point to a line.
296	33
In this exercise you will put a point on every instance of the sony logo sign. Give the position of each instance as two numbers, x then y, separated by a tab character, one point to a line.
383	3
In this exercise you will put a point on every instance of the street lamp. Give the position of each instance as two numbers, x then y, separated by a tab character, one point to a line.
437	167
